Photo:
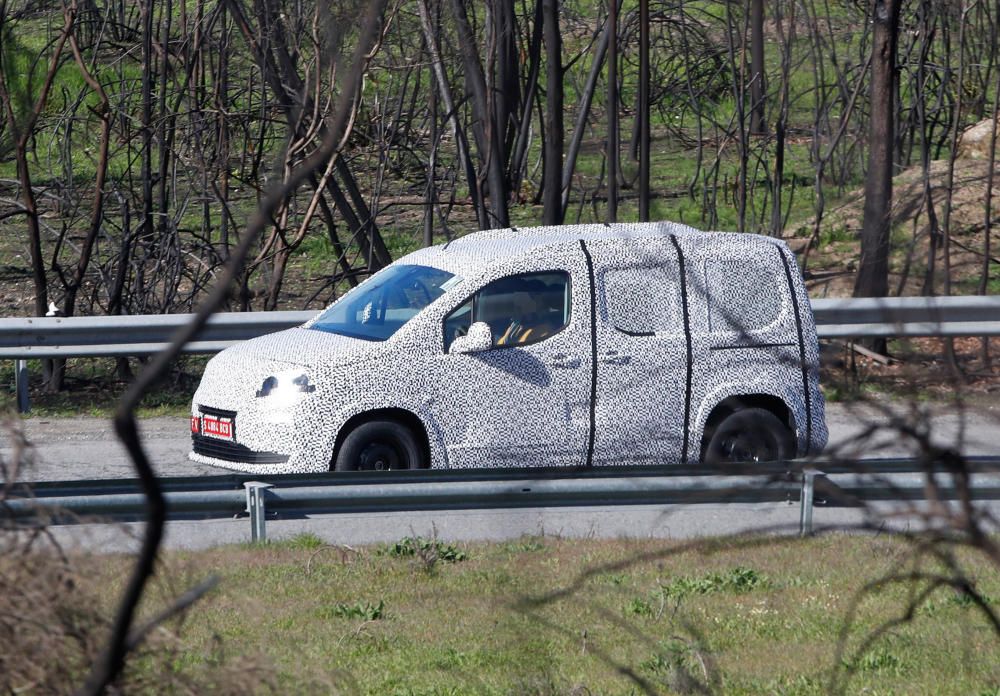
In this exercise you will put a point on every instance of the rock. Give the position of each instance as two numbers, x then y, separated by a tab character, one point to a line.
975	142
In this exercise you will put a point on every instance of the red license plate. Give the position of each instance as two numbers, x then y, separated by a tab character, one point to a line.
217	427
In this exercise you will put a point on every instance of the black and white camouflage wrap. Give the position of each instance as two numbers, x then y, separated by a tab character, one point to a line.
666	322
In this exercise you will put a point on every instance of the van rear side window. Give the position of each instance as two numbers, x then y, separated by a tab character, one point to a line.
743	295
642	300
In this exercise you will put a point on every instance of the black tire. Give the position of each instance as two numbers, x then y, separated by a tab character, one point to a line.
379	445
748	436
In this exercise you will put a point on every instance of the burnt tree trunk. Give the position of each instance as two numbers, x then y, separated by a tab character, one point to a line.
507	100
552	185
758	123
873	269
612	149
486	130
643	115
582	114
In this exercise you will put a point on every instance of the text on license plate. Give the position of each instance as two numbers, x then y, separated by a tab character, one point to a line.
217	426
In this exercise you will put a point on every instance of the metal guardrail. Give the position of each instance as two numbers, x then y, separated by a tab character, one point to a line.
78	337
225	496
114	336
91	337
907	316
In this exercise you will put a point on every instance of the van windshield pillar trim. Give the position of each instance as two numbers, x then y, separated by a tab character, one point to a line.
802	348
593	354
687	340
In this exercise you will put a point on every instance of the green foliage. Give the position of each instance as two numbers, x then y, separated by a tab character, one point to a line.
318	254
420	546
16	60
836	234
798	685
359	610
639	607
524	545
879	659
966	599
738	579
305	540
672	654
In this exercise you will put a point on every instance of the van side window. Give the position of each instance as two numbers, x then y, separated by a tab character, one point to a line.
642	300
743	295
520	309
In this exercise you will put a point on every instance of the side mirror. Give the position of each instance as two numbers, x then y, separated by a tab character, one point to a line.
478	339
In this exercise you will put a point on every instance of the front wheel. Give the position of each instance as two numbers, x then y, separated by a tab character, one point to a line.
749	435
379	445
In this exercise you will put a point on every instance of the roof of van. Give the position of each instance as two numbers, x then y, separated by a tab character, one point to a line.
486	248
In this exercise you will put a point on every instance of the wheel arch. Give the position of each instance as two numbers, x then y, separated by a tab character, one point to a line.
402	416
731	404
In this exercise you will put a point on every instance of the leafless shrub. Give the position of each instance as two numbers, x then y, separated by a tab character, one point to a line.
55	608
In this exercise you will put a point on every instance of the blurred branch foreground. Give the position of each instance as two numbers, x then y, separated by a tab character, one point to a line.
311	150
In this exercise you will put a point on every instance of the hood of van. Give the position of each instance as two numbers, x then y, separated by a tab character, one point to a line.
303	347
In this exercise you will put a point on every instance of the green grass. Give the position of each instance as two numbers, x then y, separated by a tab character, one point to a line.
92	389
551	616
424	548
836	236
970	286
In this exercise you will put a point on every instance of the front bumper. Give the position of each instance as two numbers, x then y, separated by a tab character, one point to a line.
232	452
259	445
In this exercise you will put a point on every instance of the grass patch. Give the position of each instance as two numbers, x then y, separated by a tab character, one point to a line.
553	616
836	234
736	580
305	541
358	610
416	546
528	544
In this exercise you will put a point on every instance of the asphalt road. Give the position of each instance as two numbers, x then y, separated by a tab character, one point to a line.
75	448
86	447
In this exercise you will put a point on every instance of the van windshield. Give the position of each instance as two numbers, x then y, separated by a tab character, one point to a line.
379	307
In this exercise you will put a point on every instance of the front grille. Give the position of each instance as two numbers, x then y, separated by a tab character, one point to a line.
218	412
233	452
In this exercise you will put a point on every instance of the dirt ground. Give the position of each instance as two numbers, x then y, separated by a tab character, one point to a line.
829	258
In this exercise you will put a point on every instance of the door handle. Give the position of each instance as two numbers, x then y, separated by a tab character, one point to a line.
563	361
615	358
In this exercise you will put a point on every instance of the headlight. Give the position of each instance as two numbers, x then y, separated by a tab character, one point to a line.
285	384
302	382
267	387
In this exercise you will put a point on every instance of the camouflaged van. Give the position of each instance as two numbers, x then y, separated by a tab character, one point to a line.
586	345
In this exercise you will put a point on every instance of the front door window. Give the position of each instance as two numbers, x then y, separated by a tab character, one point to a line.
520	310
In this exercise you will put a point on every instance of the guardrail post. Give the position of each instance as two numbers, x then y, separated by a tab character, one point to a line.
806	501
255	506
21	385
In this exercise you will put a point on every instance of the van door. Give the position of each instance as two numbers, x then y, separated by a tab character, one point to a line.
525	402
642	353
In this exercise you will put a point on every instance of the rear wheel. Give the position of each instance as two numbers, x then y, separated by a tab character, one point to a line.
379	445
747	436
